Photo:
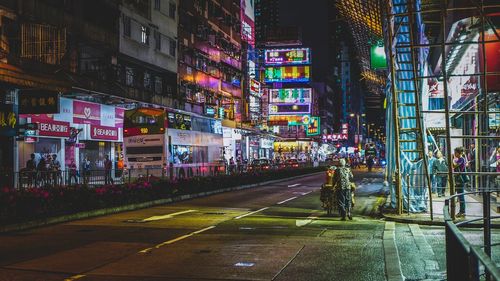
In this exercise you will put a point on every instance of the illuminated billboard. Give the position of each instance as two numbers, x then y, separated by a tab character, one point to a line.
255	88
293	95
313	128
288	120
287	56
248	21
286	109
287	74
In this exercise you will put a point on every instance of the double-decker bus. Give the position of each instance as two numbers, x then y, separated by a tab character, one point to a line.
155	139
144	138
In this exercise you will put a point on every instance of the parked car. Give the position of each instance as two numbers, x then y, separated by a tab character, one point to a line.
259	165
292	163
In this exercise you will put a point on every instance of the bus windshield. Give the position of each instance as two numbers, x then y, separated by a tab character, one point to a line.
144	121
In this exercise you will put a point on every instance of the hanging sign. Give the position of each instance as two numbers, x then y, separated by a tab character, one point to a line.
38	102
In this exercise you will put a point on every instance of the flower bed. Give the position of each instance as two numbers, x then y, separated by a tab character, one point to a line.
36	203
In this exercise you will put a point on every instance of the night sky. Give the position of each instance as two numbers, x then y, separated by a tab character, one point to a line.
312	17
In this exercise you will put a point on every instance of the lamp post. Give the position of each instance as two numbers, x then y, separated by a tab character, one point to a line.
357	126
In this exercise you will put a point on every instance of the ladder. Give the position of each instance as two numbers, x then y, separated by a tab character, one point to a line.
405	67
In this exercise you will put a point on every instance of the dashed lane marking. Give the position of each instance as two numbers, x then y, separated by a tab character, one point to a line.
284	201
147	250
251	213
294	185
167	216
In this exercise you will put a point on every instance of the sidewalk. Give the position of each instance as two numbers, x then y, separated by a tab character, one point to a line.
474	210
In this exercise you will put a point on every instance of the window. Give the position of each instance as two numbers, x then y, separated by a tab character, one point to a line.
157	5
126	26
157	40
158	85
144	35
172	47
147	80
129	76
171	10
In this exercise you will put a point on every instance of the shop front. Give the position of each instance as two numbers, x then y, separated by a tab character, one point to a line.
266	148
81	130
233	144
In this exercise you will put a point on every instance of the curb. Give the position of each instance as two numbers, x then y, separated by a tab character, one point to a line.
137	206
439	222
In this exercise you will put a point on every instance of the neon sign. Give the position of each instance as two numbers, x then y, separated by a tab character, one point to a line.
288	56
288	74
313	128
286	109
294	95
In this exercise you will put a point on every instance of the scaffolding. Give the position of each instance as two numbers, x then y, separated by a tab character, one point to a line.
443	94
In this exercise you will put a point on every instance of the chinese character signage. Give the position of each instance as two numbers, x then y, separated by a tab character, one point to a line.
8	120
290	95
334	137
287	56
52	128
255	88
287	74
313	128
286	109
103	132
38	102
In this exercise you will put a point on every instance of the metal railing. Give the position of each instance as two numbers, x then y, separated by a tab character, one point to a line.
49	178
465	261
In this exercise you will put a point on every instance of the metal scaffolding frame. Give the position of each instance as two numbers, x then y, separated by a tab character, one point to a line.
409	48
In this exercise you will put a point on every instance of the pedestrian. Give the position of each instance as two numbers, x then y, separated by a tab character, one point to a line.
31	170
86	170
471	162
108	165
461	179
55	168
73	173
440	172
342	181
41	169
431	159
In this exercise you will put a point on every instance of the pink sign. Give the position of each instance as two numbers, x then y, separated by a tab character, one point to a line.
86	112
103	132
119	116
52	128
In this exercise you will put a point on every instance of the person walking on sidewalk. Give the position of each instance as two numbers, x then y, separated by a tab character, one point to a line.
440	172
342	181
461	179
108	165
432	175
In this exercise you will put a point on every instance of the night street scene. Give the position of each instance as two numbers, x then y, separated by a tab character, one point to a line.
279	140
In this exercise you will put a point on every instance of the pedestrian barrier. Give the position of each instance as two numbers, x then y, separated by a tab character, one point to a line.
58	178
465	261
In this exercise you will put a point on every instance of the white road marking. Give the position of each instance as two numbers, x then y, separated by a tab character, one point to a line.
302	193
167	216
300	223
284	201
251	213
147	250
294	185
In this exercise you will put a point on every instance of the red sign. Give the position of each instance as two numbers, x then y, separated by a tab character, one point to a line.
103	132
86	112
52	128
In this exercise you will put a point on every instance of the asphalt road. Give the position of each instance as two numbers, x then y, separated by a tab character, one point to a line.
274	232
